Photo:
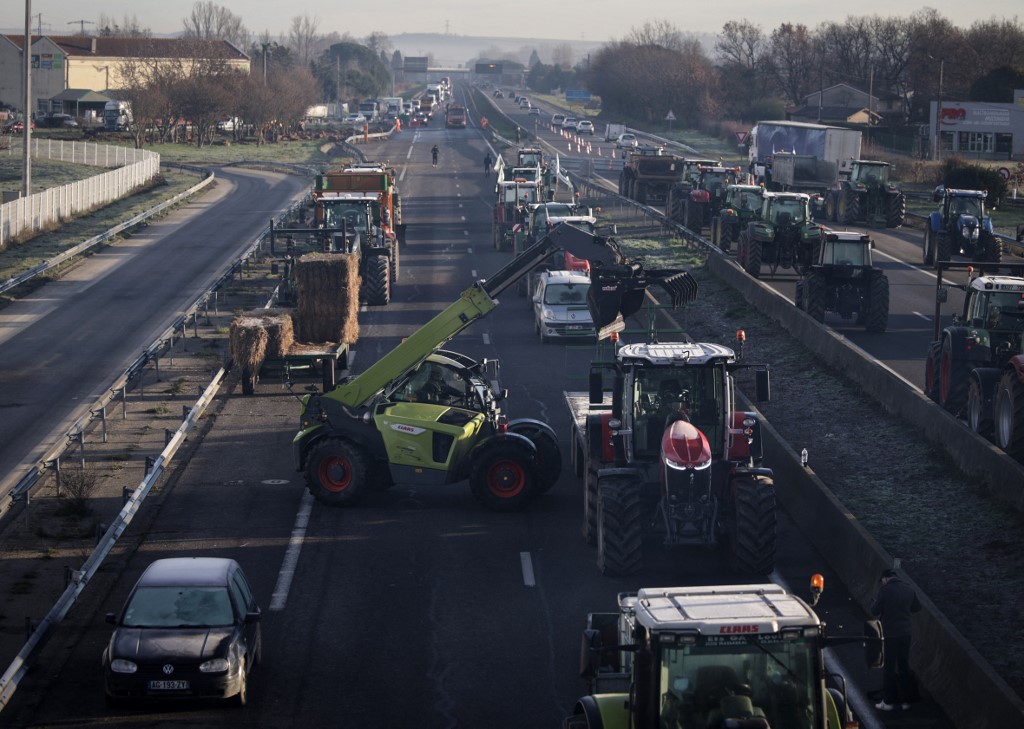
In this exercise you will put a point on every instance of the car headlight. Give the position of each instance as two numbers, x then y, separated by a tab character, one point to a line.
549	315
215	665
120	665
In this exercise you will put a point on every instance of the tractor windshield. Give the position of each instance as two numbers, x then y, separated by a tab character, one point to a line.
871	174
693	391
845	253
715	180
966	206
997	310
788	212
738	676
354	217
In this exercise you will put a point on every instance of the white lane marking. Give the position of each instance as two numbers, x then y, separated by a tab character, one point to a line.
469	250
923	316
487	338
291	555
527	565
473	274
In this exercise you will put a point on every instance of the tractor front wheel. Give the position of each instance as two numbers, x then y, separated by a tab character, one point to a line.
896	211
979	417
336	472
814	296
928	247
953	372
753	535
377	282
619	527
752	262
504	476
932	364
1009	414
726	237
588	528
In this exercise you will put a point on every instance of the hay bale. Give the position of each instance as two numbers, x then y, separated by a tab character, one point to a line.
256	335
328	294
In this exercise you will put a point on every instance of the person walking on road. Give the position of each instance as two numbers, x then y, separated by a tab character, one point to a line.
487	164
893	605
433	154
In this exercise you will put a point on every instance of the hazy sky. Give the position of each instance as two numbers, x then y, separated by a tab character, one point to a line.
592	20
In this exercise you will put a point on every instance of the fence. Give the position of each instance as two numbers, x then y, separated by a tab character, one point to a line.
129	169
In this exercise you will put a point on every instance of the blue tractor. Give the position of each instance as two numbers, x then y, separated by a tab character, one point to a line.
960	227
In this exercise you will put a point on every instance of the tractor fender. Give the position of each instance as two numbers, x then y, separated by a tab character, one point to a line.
514	425
700	196
986	224
1016	364
935	222
350	429
958	336
604	711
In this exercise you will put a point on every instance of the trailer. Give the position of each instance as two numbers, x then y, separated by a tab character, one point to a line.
769	139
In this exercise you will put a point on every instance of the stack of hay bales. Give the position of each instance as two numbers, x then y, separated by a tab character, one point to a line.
328	293
256	335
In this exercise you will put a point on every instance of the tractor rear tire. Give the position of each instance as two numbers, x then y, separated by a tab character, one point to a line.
953	378
928	247
752	262
337	472
377	283
549	457
753	539
896	210
830	207
504	476
979	418
1009	414
814	296
932	363
798	297
877	317
848	210
716	233
641	192
943	248
619	527
725	232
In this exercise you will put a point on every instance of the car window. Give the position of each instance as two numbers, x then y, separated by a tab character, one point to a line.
242	592
565	294
174	607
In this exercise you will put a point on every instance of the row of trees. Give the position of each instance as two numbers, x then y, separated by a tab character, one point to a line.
756	73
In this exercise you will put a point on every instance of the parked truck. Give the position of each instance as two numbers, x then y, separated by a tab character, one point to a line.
421	414
729	656
648	174
455	117
665	456
827	143
975	364
117	116
612	131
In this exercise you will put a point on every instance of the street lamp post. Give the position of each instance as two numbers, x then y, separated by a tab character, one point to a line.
938	114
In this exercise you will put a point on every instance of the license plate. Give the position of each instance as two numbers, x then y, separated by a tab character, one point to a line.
168	685
574	327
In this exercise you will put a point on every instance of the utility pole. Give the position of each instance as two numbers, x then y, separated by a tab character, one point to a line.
938	113
26	162
265	47
82	24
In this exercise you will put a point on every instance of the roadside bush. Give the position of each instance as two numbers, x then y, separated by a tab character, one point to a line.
79	484
960	174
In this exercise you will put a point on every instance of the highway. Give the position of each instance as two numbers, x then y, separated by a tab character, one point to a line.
417	608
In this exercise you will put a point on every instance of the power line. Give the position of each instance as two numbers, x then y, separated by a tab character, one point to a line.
82	24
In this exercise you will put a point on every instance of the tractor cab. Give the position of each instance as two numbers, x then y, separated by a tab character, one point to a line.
870	174
785	209
846	248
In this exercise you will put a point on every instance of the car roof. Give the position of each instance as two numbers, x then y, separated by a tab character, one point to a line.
559	276
192	571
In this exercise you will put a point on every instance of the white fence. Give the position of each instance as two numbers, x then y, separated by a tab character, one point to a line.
129	168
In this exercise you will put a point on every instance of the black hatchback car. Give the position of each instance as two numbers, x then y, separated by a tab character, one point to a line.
190	628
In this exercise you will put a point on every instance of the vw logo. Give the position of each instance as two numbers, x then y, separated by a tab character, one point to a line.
168	669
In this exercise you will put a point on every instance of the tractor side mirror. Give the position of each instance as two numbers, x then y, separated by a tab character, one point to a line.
942	294
762	386
596	386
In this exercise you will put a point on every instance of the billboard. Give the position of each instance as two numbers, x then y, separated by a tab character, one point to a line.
415	64
489	68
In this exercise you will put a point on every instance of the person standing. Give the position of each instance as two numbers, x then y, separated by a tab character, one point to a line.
893	605
488	161
433	154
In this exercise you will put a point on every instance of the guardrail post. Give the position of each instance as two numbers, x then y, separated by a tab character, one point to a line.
101	529
149	464
124	401
168	435
184	412
195	323
80	438
102	413
156	361
126	494
56	470
31	625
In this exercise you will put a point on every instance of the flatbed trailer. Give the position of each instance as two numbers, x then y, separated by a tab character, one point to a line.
327	359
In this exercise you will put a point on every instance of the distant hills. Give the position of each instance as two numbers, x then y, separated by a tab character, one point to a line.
455	51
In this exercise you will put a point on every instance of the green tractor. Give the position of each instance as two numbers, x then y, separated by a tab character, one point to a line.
868	196
782	236
424	415
843	281
742	204
730	656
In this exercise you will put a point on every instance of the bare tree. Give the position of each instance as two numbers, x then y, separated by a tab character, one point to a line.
845	51
209	21
741	43
378	42
562	56
302	37
659	33
129	26
792	61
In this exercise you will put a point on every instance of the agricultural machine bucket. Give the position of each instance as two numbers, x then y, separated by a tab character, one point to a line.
618	291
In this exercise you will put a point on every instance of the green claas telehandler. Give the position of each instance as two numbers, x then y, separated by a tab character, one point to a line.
422	414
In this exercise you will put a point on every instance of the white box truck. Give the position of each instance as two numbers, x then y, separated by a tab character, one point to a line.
835	145
612	131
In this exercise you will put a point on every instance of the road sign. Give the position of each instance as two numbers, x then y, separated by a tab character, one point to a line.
416	64
490	68
577	95
741	137
670	116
